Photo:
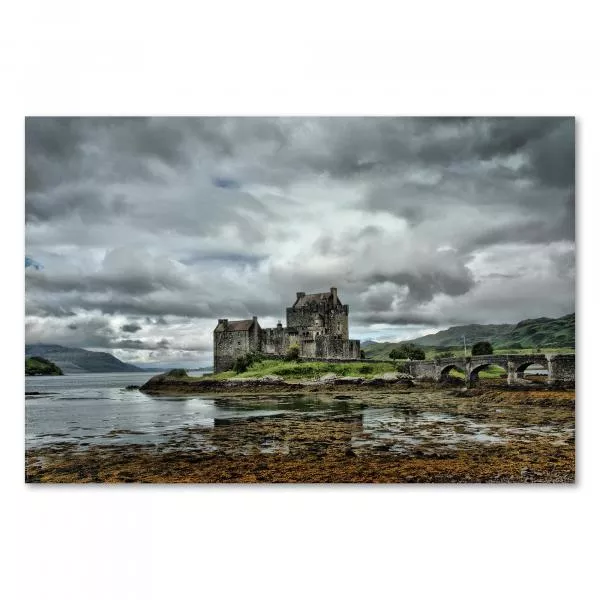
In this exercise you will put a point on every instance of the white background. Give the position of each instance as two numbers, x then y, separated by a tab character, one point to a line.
427	58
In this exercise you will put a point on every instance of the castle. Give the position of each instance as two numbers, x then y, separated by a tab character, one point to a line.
317	323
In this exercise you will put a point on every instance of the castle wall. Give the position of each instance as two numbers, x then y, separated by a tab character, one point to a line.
301	318
228	345
274	340
336	322
328	346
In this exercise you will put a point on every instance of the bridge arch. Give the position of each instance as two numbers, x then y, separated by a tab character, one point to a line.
522	368
446	369
476	370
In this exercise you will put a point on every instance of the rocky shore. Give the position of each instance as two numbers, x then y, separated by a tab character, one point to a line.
168	384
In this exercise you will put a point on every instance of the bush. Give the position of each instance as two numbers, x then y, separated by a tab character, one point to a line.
445	354
482	348
293	352
362	354
365	369
177	373
241	364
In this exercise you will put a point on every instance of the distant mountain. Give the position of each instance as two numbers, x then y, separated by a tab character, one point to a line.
367	343
531	333
78	360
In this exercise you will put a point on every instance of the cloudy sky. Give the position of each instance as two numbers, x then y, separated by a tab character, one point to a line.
140	233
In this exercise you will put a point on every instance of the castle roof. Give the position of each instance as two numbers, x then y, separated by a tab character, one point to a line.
308	299
244	325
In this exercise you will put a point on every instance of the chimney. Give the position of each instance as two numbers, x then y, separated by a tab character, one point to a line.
254	319
334	294
279	325
300	295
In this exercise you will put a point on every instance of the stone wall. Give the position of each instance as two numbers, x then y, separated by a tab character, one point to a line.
300	318
561	368
275	340
228	345
336	322
336	347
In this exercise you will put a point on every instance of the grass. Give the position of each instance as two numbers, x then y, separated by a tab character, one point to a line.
308	370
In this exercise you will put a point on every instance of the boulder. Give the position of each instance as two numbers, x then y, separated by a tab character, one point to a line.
271	378
328	378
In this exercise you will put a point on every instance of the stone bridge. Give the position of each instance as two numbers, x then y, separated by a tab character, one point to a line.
561	367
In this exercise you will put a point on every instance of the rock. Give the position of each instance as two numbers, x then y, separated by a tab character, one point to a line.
343	380
271	378
328	378
405	376
390	376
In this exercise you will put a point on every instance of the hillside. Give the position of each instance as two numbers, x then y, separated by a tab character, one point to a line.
78	360
531	333
36	365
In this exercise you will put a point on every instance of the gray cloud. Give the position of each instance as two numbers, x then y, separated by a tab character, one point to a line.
174	222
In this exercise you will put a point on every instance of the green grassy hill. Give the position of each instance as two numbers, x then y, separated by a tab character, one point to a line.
544	333
36	365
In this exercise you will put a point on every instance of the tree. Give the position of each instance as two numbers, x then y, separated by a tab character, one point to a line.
293	352
362	354
480	348
405	351
398	354
416	354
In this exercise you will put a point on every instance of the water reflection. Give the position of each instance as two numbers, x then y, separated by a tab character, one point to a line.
419	422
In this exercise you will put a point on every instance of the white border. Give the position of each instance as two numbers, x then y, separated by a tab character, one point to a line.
309	58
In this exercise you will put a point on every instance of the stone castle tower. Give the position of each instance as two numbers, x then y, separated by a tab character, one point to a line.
317	323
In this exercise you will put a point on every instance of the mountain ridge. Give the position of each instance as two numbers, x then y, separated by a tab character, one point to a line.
529	333
78	360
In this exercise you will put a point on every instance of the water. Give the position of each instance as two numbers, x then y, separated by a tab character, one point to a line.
95	410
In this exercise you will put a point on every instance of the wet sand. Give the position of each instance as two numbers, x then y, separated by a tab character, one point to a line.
441	436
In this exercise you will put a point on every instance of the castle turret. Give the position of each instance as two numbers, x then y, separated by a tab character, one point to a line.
334	296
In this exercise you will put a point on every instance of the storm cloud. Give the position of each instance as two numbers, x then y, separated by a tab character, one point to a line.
149	229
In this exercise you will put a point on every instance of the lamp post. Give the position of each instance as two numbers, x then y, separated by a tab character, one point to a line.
465	347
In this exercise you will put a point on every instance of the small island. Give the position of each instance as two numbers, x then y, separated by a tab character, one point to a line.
36	365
